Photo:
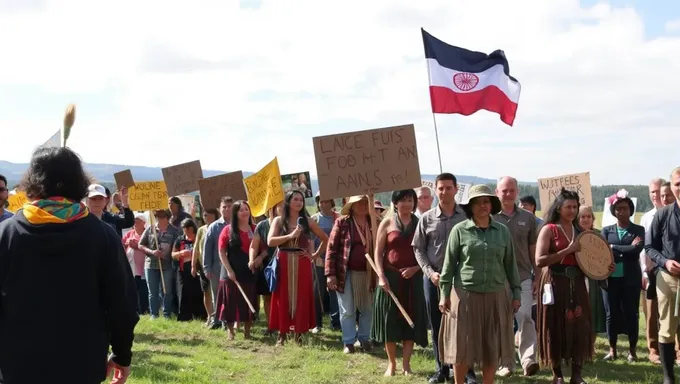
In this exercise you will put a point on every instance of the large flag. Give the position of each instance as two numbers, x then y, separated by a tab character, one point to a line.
464	82
54	141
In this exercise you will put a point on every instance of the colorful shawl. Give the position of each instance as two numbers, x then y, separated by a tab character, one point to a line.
55	210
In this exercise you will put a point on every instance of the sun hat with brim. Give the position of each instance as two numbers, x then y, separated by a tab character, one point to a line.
96	190
483	190
161	212
621	195
347	208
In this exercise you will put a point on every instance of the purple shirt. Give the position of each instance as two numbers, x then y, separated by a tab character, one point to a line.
5	215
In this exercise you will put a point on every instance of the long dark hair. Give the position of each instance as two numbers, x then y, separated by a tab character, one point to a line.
552	215
234	236
286	210
55	172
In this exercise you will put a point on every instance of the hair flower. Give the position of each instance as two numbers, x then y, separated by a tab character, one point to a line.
621	194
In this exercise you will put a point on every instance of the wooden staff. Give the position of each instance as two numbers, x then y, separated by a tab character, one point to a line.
158	246
69	119
250	305
374	235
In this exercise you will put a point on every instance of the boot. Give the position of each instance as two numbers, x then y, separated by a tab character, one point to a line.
667	355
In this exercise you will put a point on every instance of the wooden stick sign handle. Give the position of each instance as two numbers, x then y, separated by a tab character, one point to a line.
152	222
250	305
394	298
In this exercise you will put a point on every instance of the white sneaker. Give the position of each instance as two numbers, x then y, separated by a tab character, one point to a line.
504	372
316	330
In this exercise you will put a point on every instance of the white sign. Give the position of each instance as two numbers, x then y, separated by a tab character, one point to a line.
608	218
54	141
462	195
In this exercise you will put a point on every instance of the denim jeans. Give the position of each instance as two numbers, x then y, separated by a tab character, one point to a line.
153	279
348	316
435	318
329	297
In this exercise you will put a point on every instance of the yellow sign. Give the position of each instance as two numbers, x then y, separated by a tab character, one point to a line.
264	188
148	196
16	200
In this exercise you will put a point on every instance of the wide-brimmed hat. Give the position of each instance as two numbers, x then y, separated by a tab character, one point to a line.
621	195
483	190
347	208
377	205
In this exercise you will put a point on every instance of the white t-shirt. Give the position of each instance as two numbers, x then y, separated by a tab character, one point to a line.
646	222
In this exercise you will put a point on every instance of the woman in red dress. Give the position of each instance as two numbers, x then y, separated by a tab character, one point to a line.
563	311
292	302
233	246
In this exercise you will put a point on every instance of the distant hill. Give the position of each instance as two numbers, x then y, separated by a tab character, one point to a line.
104	174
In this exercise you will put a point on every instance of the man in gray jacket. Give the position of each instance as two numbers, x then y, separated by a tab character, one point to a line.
211	256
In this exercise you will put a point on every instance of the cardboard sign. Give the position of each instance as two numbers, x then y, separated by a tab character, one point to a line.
595	255
300	181
124	179
264	188
214	188
365	162
148	196
183	178
549	188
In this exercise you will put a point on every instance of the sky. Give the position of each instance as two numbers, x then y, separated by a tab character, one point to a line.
234	83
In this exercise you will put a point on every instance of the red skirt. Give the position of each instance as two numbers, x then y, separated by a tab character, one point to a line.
304	317
231	306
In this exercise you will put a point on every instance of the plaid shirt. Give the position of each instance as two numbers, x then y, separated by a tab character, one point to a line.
338	251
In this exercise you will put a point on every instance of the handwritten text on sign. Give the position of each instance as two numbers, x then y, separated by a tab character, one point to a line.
214	188
183	178
549	188
362	162
148	196
264	188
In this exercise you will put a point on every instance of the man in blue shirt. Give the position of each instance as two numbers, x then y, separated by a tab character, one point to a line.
4	195
211	256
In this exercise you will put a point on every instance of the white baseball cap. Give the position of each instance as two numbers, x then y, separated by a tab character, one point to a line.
96	190
140	216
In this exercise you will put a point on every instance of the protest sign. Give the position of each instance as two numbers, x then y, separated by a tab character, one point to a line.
264	188
365	162
16	200
148	195
124	179
183	178
214	188
549	188
463	192
300	181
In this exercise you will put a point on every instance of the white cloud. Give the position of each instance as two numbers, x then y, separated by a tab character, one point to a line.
234	87
672	25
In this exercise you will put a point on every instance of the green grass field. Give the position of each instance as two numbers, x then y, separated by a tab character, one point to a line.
187	353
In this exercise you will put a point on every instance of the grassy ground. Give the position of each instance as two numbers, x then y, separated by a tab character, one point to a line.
187	353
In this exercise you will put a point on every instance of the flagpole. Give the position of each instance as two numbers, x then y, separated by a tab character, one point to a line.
436	136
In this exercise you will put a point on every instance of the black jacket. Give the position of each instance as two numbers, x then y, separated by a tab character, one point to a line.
120	221
66	294
625	252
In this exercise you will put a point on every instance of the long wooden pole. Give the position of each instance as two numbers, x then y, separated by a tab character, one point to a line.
374	235
250	305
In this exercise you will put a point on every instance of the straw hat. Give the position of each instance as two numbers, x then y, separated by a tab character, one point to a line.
347	208
483	190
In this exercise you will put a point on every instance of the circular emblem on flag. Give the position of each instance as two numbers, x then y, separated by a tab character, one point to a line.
465	81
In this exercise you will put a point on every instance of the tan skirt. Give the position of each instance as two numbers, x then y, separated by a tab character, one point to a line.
478	329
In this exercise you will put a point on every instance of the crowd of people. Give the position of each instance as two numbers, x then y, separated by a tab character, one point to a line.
496	285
